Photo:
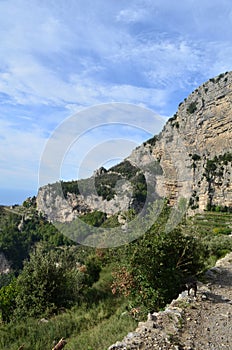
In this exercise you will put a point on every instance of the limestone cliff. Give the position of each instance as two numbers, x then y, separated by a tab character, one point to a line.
194	149
190	158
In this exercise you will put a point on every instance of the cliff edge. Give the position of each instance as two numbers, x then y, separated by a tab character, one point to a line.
191	158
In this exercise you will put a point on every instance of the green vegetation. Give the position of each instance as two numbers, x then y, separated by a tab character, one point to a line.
152	141
220	77
213	229
105	184
196	157
96	218
91	296
173	117
70	186
214	169
16	243
192	107
125	168
92	327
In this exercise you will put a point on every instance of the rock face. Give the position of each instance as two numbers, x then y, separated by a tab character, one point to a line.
51	201
191	158
194	149
4	265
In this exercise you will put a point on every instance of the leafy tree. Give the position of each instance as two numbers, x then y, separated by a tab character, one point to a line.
159	262
7	301
49	280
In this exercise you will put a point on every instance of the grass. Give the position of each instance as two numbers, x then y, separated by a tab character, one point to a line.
103	334
88	327
213	228
97	325
207	222
96	328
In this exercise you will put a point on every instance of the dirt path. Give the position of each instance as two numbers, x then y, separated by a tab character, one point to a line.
188	323
208	323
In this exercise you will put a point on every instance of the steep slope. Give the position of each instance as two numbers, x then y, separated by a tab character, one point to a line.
191	158
194	149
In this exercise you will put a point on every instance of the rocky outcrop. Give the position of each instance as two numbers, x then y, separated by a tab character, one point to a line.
194	149
4	264
52	202
191	158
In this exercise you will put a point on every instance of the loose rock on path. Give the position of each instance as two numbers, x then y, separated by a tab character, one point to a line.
188	323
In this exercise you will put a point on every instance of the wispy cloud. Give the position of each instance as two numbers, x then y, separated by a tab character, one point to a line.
19	156
57	58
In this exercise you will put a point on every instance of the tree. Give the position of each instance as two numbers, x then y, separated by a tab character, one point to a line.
7	301
157	265
49	281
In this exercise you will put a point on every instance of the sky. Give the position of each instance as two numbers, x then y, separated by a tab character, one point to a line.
84	57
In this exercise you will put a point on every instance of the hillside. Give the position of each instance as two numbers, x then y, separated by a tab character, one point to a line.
189	323
191	158
96	292
140	272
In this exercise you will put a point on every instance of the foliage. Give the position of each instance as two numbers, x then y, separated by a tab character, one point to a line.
7	301
139	188
125	168
6	279
123	281
96	218
222	230
159	262
147	274
192	107
16	243
70	186
87	327
152	141
105	184
214	169
30	202
196	157
111	222
218	246
51	280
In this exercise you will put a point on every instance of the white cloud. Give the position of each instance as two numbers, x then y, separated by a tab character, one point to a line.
50	60
57	58
86	133
132	15
20	155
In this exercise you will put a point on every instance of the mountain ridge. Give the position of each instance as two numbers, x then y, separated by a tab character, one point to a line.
191	158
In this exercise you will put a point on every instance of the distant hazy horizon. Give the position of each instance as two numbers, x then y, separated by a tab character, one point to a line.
12	196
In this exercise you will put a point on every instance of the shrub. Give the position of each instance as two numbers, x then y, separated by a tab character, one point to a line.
192	107
49	281
159	262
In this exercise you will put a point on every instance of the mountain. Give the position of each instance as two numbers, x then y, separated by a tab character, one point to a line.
191	158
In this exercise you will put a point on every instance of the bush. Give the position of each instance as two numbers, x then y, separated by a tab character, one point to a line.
50	280
158	264
192	107
96	218
7	301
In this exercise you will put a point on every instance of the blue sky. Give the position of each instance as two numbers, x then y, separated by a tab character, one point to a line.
58	58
